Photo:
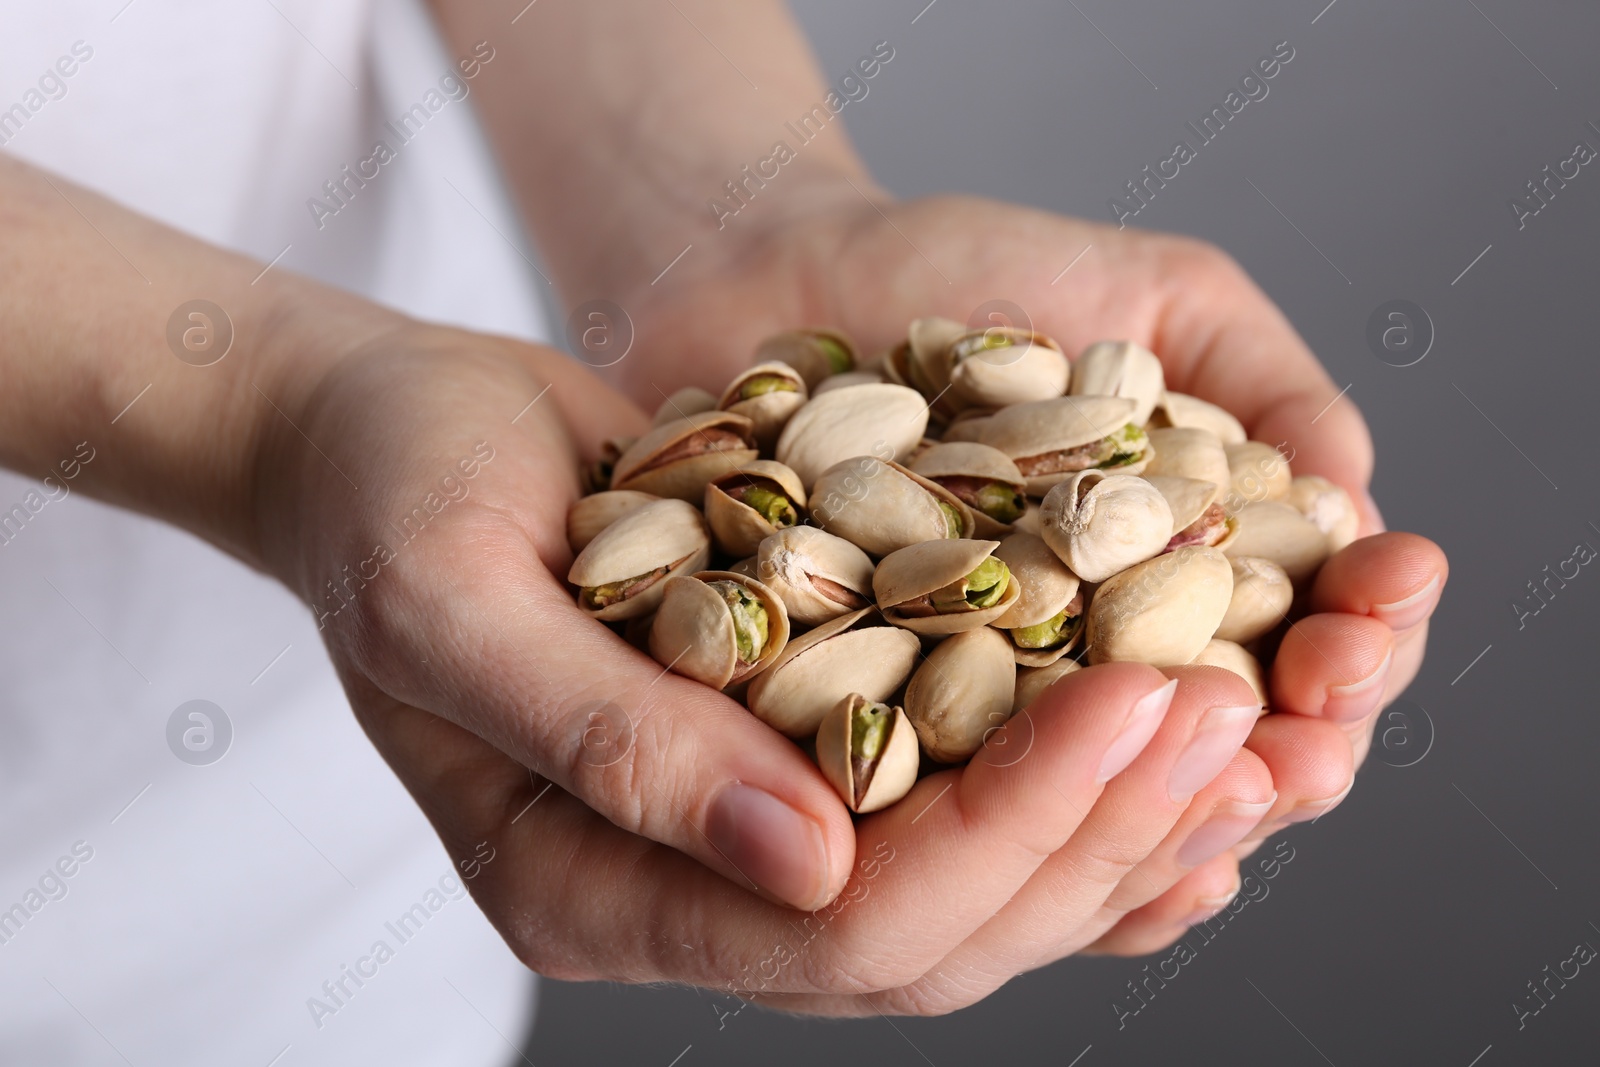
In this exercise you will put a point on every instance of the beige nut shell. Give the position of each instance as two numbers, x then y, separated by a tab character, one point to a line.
1190	452
736	527
1066	422
1257	471
920	569
659	534
1189	499
1047	585
799	562
880	506
1162	611
593	513
1185	411
1276	531
1120	368
846	380
818	669
690	400
1101	523
969	459
1328	506
1031	367
1233	657
686	478
693	633
896	769
1261	597
799	349
961	692
1031	681
877	420
769	411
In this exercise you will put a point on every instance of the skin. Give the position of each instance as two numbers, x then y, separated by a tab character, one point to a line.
466	660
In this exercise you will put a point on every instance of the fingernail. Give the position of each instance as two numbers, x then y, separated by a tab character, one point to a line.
1404	614
1307	810
1348	703
1209	907
1226	827
771	844
1141	726
1216	738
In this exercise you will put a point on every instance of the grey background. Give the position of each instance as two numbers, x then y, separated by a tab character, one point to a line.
1408	921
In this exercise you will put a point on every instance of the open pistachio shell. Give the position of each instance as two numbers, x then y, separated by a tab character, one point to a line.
749	568
1120	368
868	752
922	361
620	573
1050	440
961	692
1328	506
1032	520
1276	531
866	420
1190	453
967	425
767	394
718	627
1161	611
597	475
817	575
944	587
679	458
984	478
1004	365
1197	517
1257	471
1232	657
1046	620
690	400
593	513
815	354
818	669
1190	412
745	506
1101	523
881	506
1262	594
846	380
1031	681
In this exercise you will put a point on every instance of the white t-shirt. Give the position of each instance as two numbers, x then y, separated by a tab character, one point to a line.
165	910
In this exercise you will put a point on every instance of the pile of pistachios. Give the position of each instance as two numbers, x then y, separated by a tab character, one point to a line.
885	559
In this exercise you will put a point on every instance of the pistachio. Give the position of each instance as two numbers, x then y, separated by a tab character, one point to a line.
1257	471
1047	617
597	475
817	576
1261	597
1278	532
846	380
968	425
1120	368
1101	523
1050	440
944	587
1197	517
1190	412
718	627
1190	452
679	458
1161	611
593	513
767	394
620	573
814	354
690	400
922	362
881	506
1328	507
1003	365
1232	657
878	420
984	478
868	752
1032	681
961	692
818	669
745	506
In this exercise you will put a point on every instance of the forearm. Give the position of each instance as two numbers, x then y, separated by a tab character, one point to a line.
89	289
618	123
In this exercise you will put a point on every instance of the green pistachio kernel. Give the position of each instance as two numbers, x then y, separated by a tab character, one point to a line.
1001	502
996	339
952	519
774	507
749	619
987	584
869	730
838	356
762	384
1051	633
1127	445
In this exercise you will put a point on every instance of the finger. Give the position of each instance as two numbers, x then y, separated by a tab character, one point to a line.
1194	898
1312	763
1333	666
1396	578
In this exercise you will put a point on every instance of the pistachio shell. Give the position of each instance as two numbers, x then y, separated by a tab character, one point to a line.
1190	412
1036	429
846	380
749	568
818	669
1189	453
1032	521
922	361
1257	471
881	506
768	412
817	575
737	528
1101	523
893	773
1278	532
1048	588
1031	681
930	338
646	466
1233	657
800	349
877	420
693	632
593	513
921	569
961	692
1328	506
597	475
1029	367
968	426
946	463
690	400
666	533
1192	500
1120	368
1161	611
1262	594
